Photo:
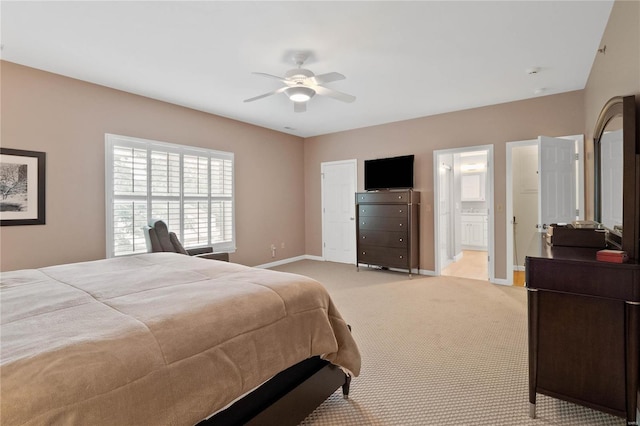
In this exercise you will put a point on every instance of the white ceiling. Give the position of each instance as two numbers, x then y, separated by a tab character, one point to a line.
402	60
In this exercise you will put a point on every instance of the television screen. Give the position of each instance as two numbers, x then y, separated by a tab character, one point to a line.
388	173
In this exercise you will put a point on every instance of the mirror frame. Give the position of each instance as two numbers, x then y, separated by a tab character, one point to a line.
625	107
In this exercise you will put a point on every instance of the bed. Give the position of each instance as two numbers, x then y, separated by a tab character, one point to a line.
162	339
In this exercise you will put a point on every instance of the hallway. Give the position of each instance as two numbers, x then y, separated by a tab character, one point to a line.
473	265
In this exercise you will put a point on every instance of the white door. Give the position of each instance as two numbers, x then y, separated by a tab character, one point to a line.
338	211
557	181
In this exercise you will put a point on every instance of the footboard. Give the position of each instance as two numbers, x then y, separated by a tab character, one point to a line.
286	399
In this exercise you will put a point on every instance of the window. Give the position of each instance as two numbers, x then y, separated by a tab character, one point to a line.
191	189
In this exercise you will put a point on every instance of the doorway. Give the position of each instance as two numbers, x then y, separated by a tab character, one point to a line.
338	188
532	165
522	213
463	191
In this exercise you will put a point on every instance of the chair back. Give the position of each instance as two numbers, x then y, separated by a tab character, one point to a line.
159	239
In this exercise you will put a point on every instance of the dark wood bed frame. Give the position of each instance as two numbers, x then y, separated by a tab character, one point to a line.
286	399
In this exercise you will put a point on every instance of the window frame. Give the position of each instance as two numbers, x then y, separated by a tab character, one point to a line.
112	140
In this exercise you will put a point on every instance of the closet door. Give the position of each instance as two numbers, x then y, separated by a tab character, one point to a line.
338	214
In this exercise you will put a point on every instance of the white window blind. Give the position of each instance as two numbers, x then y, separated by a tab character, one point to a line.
190	189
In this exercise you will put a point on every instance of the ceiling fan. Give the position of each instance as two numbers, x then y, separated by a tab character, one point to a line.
302	84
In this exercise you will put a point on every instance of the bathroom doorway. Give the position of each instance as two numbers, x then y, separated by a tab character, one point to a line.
463	190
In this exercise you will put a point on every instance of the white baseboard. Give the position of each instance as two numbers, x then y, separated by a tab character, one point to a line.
311	257
285	261
501	281
518	268
458	256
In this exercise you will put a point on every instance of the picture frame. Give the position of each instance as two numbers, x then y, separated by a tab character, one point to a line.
22	187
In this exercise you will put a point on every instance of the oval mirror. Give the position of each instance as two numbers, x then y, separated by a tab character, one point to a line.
615	189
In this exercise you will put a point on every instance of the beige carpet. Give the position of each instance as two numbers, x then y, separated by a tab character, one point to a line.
435	351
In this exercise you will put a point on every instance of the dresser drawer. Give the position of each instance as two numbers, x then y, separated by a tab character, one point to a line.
384	197
383	256
382	238
378	223
386	210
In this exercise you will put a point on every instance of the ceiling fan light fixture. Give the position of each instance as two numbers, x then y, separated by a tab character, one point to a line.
299	93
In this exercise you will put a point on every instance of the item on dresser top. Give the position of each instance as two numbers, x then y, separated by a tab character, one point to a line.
571	236
613	256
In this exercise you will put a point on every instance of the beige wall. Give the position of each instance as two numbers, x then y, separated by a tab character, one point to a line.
616	72
67	119
556	115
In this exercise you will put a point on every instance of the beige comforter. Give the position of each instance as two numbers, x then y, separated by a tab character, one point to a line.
154	339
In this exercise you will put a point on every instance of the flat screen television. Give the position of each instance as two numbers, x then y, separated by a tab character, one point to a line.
388	173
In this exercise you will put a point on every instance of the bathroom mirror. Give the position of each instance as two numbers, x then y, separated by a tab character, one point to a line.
616	179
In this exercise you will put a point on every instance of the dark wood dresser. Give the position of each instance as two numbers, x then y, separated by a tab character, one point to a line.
584	329
388	229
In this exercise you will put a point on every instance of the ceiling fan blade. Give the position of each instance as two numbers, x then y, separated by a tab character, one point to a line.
275	92
334	94
299	106
325	78
282	79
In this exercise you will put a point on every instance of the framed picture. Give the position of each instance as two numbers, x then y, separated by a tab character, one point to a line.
22	186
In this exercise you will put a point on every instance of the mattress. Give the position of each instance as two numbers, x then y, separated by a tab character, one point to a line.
158	339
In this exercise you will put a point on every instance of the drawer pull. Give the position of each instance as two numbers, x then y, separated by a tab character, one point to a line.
364	237
400	210
401	225
401	257
400	239
364	252
399	197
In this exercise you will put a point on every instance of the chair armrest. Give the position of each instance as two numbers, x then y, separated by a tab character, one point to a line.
199	250
215	256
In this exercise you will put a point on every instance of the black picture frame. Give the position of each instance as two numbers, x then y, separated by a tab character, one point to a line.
22	187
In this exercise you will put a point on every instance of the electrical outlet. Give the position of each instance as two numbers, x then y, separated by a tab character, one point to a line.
273	250
282	245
